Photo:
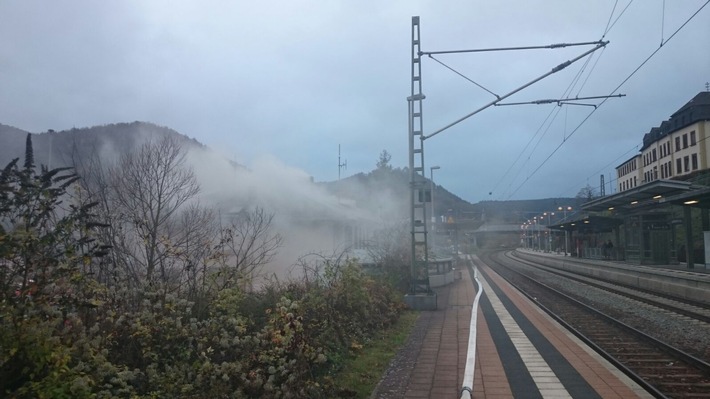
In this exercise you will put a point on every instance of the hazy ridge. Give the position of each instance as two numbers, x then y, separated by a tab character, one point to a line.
383	193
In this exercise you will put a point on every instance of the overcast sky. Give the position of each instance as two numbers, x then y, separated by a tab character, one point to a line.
295	79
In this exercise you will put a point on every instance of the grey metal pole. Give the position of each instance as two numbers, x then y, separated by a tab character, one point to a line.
433	217
564	210
549	237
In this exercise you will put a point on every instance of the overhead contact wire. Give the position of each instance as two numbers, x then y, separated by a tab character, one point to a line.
612	93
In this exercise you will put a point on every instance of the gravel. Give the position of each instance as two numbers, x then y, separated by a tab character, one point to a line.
681	331
394	382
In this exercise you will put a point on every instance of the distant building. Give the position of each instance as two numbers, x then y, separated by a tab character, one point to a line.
504	235
677	149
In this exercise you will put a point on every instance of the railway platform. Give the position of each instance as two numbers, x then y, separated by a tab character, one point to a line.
681	266
520	351
673	279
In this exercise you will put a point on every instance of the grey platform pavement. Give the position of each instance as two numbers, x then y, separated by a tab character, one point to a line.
520	351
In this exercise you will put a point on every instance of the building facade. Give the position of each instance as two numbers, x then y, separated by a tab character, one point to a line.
676	149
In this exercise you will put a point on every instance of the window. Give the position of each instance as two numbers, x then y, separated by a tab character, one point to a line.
677	143
653	157
694	159
692	137
686	162
685	141
678	166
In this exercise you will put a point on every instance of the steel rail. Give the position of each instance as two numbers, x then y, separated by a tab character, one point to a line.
609	286
681	355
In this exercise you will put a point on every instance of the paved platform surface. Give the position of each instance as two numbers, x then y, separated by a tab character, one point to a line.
521	352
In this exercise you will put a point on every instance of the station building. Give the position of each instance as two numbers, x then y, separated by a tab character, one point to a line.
651	216
674	150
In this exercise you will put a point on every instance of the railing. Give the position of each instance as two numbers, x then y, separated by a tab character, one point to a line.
603	253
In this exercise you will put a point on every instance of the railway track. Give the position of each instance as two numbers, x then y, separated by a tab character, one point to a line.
664	370
693	309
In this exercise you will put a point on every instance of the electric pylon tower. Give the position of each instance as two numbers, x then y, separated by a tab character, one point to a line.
419	195
419	272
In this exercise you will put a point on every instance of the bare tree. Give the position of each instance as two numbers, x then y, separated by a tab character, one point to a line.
150	186
192	249
247	244
586	193
389	249
96	186
160	233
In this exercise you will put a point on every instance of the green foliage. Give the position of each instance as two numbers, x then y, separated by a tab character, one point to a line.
361	373
66	334
46	254
29	153
344	306
383	162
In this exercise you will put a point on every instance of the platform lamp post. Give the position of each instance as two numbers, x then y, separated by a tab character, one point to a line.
564	209
549	232
433	215
528	241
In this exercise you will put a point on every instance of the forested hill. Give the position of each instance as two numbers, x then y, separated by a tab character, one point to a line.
58	148
383	191
391	185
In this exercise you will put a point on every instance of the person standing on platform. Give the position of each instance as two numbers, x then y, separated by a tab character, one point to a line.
609	248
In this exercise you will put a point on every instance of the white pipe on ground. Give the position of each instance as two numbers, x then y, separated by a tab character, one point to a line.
469	370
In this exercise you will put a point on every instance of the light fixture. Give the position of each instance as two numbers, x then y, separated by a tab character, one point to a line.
611	208
658	197
634	202
691	202
586	222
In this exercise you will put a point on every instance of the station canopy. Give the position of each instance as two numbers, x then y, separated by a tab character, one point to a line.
655	193
588	224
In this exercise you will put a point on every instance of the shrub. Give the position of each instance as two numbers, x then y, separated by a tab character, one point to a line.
65	334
